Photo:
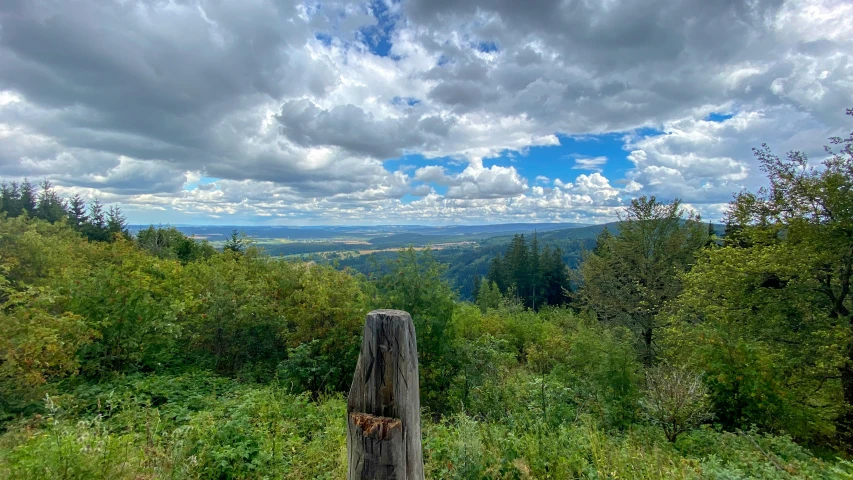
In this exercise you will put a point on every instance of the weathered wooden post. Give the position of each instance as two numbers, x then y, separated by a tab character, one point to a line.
384	405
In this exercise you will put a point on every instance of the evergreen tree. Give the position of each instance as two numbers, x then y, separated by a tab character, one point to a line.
517	266
712	235
50	207
555	281
77	212
535	275
96	215
116	223
497	274
529	275
28	198
11	198
237	242
489	296
602	242
95	228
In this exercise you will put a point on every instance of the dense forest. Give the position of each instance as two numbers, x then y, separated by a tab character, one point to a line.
468	266
669	352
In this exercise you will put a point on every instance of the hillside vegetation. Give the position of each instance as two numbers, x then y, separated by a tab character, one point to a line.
679	354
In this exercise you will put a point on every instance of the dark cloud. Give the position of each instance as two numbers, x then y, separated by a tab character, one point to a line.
349	127
287	103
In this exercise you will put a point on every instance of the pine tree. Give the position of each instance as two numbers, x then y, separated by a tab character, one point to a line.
28	198
497	274
489	296
96	215
517	266
50	207
558	286
712	235
77	212
116	223
236	243
535	273
602	242
95	228
11	197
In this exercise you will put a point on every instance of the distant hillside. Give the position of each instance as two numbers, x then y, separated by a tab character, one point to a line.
466	263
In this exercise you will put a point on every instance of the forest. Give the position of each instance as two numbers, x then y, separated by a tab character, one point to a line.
668	351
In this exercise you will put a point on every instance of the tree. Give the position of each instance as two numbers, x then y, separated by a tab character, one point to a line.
489	296
555	278
811	210
497	274
10	196
517	263
530	276
96	214
77	212
51	207
95	228
237	242
28	198
535	273
632	275
116	223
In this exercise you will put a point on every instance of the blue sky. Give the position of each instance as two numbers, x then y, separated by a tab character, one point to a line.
414	111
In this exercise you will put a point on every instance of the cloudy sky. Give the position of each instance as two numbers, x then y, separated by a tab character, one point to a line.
414	112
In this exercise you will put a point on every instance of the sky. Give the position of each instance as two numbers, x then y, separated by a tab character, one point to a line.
262	112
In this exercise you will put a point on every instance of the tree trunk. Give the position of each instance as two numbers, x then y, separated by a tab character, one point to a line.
648	354
384	407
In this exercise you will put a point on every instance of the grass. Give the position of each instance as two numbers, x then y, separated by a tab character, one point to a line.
198	426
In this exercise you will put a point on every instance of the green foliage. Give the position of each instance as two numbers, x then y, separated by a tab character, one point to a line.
247	311
415	284
170	243
235	321
533	277
489	296
629	277
183	428
236	243
204	364
200	426
75	451
34	252
810	211
753	324
132	301
36	347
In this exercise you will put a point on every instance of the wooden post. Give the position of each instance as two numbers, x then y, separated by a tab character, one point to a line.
384	405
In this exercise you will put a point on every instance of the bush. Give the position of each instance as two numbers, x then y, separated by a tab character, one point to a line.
675	399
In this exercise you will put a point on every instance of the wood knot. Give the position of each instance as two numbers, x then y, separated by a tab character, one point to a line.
373	426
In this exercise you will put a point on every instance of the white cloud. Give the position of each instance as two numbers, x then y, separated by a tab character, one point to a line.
297	124
587	163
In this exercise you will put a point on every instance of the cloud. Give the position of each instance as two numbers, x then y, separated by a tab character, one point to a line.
300	109
476	181
703	161
587	163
